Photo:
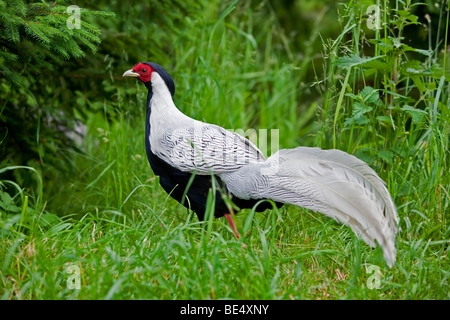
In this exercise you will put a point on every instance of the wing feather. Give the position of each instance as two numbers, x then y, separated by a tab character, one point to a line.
206	149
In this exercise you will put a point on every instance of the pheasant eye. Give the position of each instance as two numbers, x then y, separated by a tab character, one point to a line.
144	70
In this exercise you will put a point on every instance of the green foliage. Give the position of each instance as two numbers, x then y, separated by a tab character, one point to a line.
363	103
35	35
35	43
381	94
397	95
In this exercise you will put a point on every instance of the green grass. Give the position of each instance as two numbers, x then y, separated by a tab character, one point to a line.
110	219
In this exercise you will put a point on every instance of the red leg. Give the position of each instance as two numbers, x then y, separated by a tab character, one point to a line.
232	225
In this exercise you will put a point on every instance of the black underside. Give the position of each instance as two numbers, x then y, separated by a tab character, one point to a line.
194	197
175	182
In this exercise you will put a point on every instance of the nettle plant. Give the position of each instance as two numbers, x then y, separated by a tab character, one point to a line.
392	92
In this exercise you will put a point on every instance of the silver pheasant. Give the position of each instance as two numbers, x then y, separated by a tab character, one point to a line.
331	182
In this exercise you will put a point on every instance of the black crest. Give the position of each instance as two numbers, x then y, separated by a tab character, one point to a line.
164	75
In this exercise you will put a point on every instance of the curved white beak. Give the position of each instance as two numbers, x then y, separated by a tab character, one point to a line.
130	73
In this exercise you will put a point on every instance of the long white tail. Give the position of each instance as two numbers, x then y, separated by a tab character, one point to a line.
332	182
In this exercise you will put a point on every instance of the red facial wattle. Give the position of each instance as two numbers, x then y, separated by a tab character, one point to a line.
144	71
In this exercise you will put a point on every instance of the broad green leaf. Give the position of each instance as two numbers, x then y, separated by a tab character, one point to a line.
416	114
353	60
386	155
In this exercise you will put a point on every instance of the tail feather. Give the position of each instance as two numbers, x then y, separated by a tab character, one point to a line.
332	182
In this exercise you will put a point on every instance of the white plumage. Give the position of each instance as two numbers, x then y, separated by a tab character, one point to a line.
191	145
328	181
